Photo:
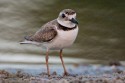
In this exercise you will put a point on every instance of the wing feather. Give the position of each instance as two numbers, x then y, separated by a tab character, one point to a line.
45	34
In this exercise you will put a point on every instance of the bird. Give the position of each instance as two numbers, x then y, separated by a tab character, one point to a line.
57	34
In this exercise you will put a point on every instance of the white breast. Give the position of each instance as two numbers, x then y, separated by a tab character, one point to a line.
63	39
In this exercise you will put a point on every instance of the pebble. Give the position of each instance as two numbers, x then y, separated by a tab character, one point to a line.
106	75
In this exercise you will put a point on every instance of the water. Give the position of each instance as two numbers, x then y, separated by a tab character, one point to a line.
101	23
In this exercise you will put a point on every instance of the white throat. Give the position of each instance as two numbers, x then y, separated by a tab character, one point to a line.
66	23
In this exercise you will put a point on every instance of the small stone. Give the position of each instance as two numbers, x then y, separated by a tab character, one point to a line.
1	80
63	81
44	81
54	81
32	78
54	73
119	81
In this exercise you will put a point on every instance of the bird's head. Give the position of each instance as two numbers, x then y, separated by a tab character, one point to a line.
67	18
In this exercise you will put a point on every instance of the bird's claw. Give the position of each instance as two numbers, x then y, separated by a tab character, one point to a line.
65	74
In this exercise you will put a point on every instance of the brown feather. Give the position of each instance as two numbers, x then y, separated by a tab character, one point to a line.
45	34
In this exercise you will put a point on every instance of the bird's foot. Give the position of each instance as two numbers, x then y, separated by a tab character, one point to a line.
48	75
65	74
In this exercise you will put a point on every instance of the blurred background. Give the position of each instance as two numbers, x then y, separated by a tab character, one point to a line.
101	35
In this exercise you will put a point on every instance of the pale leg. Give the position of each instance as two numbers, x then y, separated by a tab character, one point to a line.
61	57
47	58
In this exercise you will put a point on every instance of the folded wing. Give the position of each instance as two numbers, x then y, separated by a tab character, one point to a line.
45	34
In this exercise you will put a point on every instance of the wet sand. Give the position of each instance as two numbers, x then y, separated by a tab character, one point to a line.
100	74
43	78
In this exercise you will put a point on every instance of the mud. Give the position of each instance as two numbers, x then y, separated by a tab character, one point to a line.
23	77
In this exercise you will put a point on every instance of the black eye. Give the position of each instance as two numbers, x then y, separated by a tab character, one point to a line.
63	15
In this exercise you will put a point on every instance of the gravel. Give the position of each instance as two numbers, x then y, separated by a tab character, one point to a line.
102	74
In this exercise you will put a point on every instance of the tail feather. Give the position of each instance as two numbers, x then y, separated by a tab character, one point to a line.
28	38
26	42
30	42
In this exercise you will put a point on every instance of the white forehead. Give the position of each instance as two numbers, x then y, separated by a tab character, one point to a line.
72	16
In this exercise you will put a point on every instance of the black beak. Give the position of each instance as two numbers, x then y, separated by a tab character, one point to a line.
74	21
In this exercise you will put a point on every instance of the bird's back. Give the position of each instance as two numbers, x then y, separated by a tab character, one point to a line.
45	34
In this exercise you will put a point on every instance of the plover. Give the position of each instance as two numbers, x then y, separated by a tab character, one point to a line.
56	35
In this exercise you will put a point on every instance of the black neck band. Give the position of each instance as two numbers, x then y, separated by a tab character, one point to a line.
66	28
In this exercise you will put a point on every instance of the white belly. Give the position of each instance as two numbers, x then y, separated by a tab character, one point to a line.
63	39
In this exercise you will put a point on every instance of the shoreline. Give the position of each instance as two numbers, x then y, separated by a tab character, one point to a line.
79	74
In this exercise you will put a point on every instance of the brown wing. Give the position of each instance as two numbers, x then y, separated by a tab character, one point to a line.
45	34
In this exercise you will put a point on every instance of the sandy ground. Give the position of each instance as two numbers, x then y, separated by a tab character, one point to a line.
19	77
102	74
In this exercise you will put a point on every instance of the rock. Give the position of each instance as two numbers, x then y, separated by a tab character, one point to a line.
63	81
